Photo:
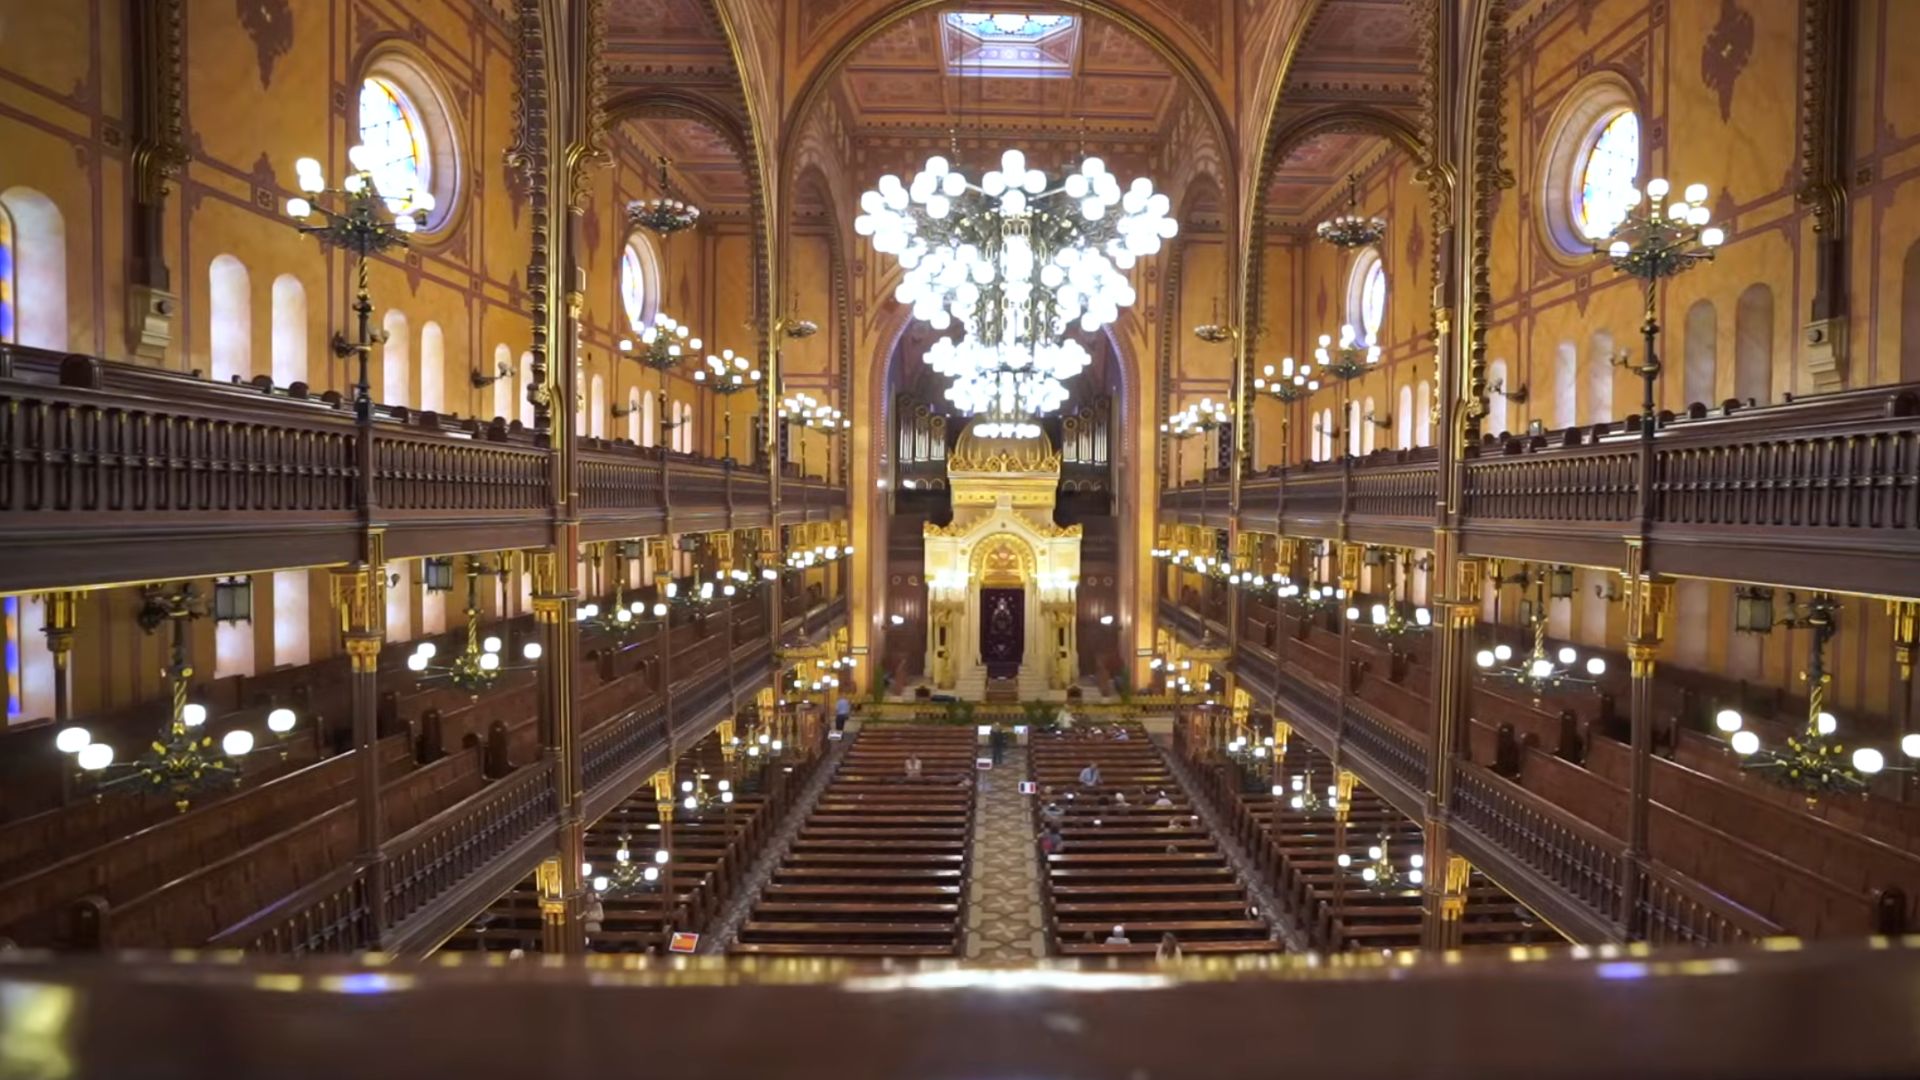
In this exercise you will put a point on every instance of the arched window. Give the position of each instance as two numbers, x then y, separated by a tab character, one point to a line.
433	368
230	337
6	275
395	360
1496	400
1423	414
1403	419
1910	315
597	417
504	383
399	156
292	625
1353	429
1566	385
1753	345
1326	434
1600	377
1607	173
1367	296
36	270
639	281
289	331
399	601
1701	334
1368	427
521	381
633	416
649	420
684	433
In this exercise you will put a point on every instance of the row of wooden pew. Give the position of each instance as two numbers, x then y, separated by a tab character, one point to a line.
709	852
880	867
1132	853
1300	848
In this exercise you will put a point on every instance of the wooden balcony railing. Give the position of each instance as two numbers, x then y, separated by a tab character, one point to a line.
496	834
1571	871
106	466
1818	493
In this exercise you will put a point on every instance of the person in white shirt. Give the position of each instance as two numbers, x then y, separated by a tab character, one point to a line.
1064	719
1118	937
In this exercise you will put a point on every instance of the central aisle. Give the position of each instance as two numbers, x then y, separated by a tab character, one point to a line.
1006	922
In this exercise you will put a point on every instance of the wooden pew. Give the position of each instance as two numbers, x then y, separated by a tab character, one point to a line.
880	868
1127	859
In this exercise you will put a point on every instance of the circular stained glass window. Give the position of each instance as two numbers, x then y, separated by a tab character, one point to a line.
397	152
1604	190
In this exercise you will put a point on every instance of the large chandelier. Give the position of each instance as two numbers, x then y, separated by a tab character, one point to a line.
1016	262
665	215
1352	229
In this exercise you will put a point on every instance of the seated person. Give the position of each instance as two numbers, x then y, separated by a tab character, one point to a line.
1052	812
1120	735
1090	776
1163	800
1119	798
1051	841
1118	937
913	767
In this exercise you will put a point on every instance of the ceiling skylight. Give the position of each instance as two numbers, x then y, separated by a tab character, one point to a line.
1008	26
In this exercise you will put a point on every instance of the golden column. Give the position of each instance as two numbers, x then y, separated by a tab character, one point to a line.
1648	600
360	596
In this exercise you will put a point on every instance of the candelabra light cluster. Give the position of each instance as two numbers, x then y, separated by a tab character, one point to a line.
1352	229
1346	360
1655	241
1290	383
628	875
804	409
728	373
1303	796
664	342
1541	669
1174	674
182	761
818	554
1197	418
1388	621
1815	761
664	215
1379	871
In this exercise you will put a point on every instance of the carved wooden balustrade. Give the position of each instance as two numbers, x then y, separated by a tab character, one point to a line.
1822	493
444	870
1568	870
106	467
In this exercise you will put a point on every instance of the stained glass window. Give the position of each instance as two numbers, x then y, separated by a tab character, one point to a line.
633	287
390	129
6	277
1007	25
1606	176
1373	300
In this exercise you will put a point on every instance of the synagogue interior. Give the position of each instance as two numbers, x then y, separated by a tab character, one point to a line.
959	538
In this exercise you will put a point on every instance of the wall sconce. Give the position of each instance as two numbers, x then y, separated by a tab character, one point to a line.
1753	610
437	574
502	369
1608	590
1382	421
233	599
1518	397
1106	620
1560	582
897	620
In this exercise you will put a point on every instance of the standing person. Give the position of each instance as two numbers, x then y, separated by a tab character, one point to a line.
1063	719
841	711
1169	948
592	919
998	742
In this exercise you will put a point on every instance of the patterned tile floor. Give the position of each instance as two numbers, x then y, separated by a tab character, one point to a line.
1004	915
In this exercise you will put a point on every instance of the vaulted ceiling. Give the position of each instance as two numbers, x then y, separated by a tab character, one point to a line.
1069	81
